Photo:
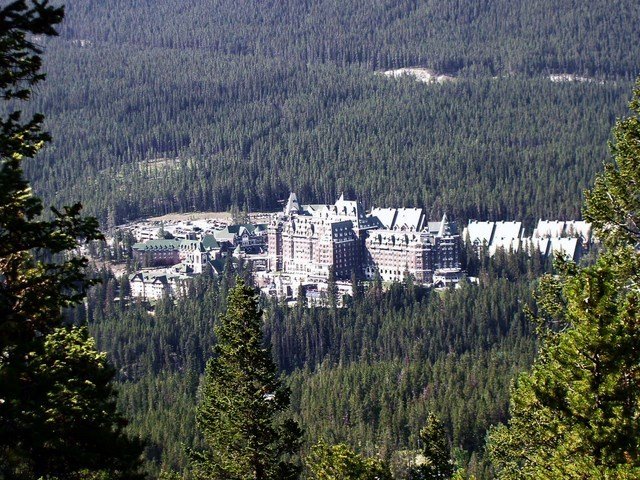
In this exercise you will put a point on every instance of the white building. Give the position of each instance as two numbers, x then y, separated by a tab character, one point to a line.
155	284
550	237
307	241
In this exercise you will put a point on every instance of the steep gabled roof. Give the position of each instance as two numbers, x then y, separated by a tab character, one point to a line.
292	205
578	228
566	246
227	234
549	228
507	230
409	219
479	232
386	216
209	242
507	244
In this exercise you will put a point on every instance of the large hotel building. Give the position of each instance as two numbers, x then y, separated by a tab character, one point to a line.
305	241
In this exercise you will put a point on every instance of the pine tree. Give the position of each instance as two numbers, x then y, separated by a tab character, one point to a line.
242	404
577	413
340	462
57	415
435	449
332	290
613	205
63	422
33	288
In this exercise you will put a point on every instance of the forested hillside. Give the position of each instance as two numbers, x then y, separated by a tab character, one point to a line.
162	106
456	36
367	374
168	105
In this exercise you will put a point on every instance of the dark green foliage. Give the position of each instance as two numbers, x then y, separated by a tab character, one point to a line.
437	461
397	325
20	59
340	462
33	288
380	407
495	38
241	400
62	422
613	204
282	128
160	358
57	407
367	375
236	104
575	415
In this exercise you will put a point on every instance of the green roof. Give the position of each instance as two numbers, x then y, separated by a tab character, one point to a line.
226	234
230	231
209	242
157	245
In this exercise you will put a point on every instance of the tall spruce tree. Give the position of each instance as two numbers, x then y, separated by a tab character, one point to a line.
33	288
435	449
64	423
576	414
240	413
613	205
57	410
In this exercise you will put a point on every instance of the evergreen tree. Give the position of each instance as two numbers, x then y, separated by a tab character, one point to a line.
613	205
576	414
57	413
437	454
332	290
340	462
242	402
33	287
63	421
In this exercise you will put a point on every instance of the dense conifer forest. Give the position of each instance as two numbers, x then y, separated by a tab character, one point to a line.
399	354
161	106
165	106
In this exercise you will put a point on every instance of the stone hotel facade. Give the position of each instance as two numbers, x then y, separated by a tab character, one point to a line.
305	241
